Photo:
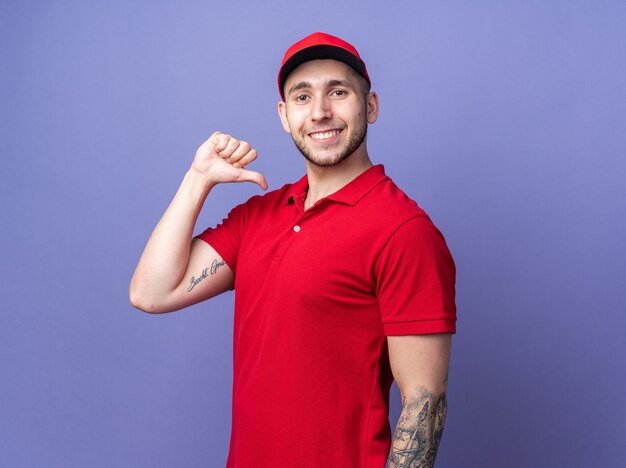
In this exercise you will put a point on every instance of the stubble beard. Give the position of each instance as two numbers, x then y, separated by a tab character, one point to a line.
357	138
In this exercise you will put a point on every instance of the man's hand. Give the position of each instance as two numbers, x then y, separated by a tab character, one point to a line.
222	159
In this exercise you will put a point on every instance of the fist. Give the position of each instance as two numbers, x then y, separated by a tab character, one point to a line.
222	158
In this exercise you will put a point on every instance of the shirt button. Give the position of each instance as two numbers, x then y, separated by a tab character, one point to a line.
296	228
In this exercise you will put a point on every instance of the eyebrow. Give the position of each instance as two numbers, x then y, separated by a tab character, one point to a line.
299	86
329	84
345	84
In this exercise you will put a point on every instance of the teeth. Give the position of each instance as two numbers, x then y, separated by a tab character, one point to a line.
324	135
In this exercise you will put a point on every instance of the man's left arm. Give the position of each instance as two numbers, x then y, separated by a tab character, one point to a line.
420	368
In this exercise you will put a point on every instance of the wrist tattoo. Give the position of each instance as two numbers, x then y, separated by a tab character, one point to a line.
194	281
419	430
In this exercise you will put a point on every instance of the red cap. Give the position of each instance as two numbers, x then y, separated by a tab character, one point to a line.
320	45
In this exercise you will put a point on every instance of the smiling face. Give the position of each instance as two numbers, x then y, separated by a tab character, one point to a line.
326	112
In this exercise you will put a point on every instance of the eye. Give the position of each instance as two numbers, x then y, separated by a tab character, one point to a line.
301	97
339	92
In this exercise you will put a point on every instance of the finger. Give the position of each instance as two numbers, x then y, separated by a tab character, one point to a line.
214	138
240	152
252	176
247	159
221	141
211	143
231	147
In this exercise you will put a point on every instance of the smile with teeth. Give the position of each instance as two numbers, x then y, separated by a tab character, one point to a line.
324	135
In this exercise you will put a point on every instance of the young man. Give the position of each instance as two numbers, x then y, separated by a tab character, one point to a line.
342	283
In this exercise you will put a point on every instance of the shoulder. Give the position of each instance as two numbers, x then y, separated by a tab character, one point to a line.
388	204
394	219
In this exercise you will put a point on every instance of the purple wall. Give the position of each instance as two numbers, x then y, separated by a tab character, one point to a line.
506	121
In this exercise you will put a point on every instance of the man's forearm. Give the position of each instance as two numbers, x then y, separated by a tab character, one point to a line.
165	257
419	429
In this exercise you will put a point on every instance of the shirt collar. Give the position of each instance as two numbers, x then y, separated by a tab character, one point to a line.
349	194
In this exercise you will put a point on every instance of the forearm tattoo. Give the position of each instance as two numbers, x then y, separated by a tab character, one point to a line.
419	430
205	274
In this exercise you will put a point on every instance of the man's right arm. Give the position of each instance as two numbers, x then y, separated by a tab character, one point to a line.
176	271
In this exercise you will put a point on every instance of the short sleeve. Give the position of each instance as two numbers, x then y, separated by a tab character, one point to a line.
415	281
226	237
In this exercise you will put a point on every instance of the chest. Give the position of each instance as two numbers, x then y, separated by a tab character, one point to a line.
323	254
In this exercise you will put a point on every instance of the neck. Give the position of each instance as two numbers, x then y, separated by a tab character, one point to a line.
326	180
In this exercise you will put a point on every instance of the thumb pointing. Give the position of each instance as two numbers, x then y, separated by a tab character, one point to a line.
252	176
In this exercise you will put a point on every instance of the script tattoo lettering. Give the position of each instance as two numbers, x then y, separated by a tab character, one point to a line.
419	430
215	265
193	282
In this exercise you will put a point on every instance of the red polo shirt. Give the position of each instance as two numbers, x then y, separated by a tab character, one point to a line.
316	294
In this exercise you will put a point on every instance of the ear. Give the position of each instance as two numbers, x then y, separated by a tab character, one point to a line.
372	107
282	113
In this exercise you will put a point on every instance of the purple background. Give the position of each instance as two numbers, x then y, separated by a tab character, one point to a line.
505	120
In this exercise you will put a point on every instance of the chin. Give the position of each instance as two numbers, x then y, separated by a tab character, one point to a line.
330	161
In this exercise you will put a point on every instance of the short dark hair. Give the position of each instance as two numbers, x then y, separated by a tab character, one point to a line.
364	85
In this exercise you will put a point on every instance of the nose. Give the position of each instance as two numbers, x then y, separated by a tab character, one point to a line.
321	109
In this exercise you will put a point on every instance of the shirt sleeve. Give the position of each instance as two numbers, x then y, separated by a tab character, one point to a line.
415	281
226	237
